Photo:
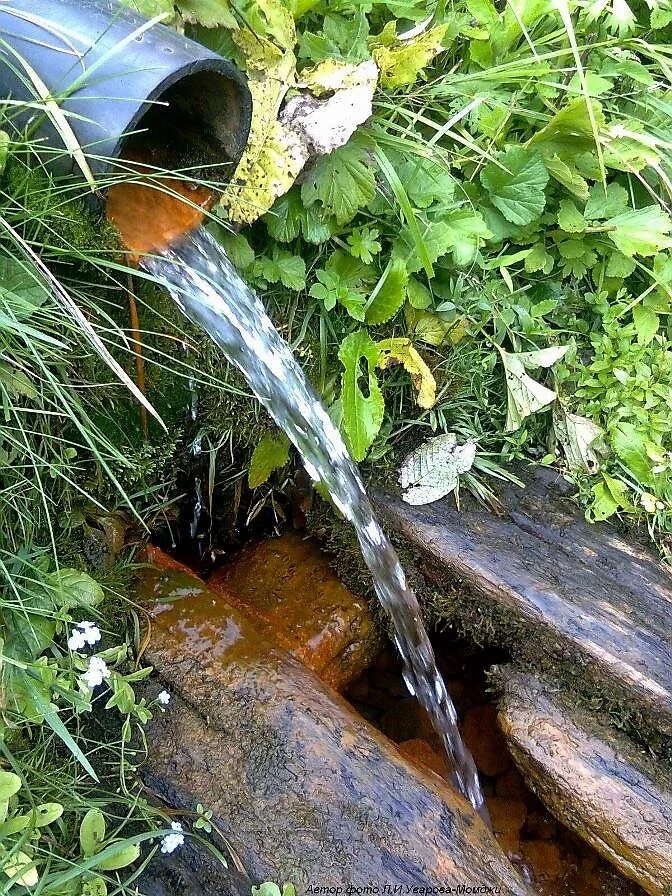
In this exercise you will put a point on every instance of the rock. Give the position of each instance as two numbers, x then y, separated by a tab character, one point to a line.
545	858
510	784
422	755
293	596
592	778
407	720
539	578
303	789
508	817
485	741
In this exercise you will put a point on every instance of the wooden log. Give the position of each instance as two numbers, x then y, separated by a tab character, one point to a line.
592	778
304	789
555	585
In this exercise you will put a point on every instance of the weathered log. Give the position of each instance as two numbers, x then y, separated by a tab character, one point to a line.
303	789
553	584
592	778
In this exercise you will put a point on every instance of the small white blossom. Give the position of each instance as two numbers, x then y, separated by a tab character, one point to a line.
171	841
163	699
82	634
96	672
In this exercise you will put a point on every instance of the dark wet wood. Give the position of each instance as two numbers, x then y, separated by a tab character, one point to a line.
592	779
303	788
566	588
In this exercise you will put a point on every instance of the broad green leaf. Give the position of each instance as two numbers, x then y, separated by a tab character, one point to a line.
272	453
570	218
9	785
151	8
619	265
570	131
539	260
647	323
282	267
94	886
525	395
630	447
289	218
125	855
402	63
75	588
361	398
603	204
48	813
92	832
20	287
517	188
389	294
427	181
642	231
418	294
567	174
402	351
432	471
341	182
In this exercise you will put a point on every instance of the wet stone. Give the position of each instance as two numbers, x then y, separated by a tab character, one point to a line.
484	739
286	586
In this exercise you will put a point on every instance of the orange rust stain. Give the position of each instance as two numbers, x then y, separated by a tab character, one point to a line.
152	216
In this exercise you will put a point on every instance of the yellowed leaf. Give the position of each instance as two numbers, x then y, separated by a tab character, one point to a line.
402	63
402	351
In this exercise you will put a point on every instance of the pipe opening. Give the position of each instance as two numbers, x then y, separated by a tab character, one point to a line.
197	124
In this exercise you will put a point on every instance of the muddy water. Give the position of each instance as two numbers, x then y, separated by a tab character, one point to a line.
549	856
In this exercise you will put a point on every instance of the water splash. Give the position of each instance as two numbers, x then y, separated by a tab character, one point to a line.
209	291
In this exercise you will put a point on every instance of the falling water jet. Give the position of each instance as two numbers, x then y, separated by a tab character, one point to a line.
208	290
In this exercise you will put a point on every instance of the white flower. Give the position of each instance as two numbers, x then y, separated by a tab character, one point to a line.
171	841
163	699
96	672
82	634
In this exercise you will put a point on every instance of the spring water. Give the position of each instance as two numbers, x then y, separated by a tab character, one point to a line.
206	287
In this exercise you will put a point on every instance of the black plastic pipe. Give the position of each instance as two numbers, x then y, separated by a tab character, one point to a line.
119	83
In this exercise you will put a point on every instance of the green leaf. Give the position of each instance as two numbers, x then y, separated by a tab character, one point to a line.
289	218
272	453
21	868
125	855
9	785
570	218
4	149
647	323
418	294
92	832
364	244
630	446
266	889
567	174
361	398
389	294
341	182
48	813
518	191
539	260
75	588
20	287
427	181
642	231
603	204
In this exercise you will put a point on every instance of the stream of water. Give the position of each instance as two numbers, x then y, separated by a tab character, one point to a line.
206	287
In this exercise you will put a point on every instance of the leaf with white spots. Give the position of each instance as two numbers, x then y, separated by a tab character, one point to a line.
432	471
525	395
